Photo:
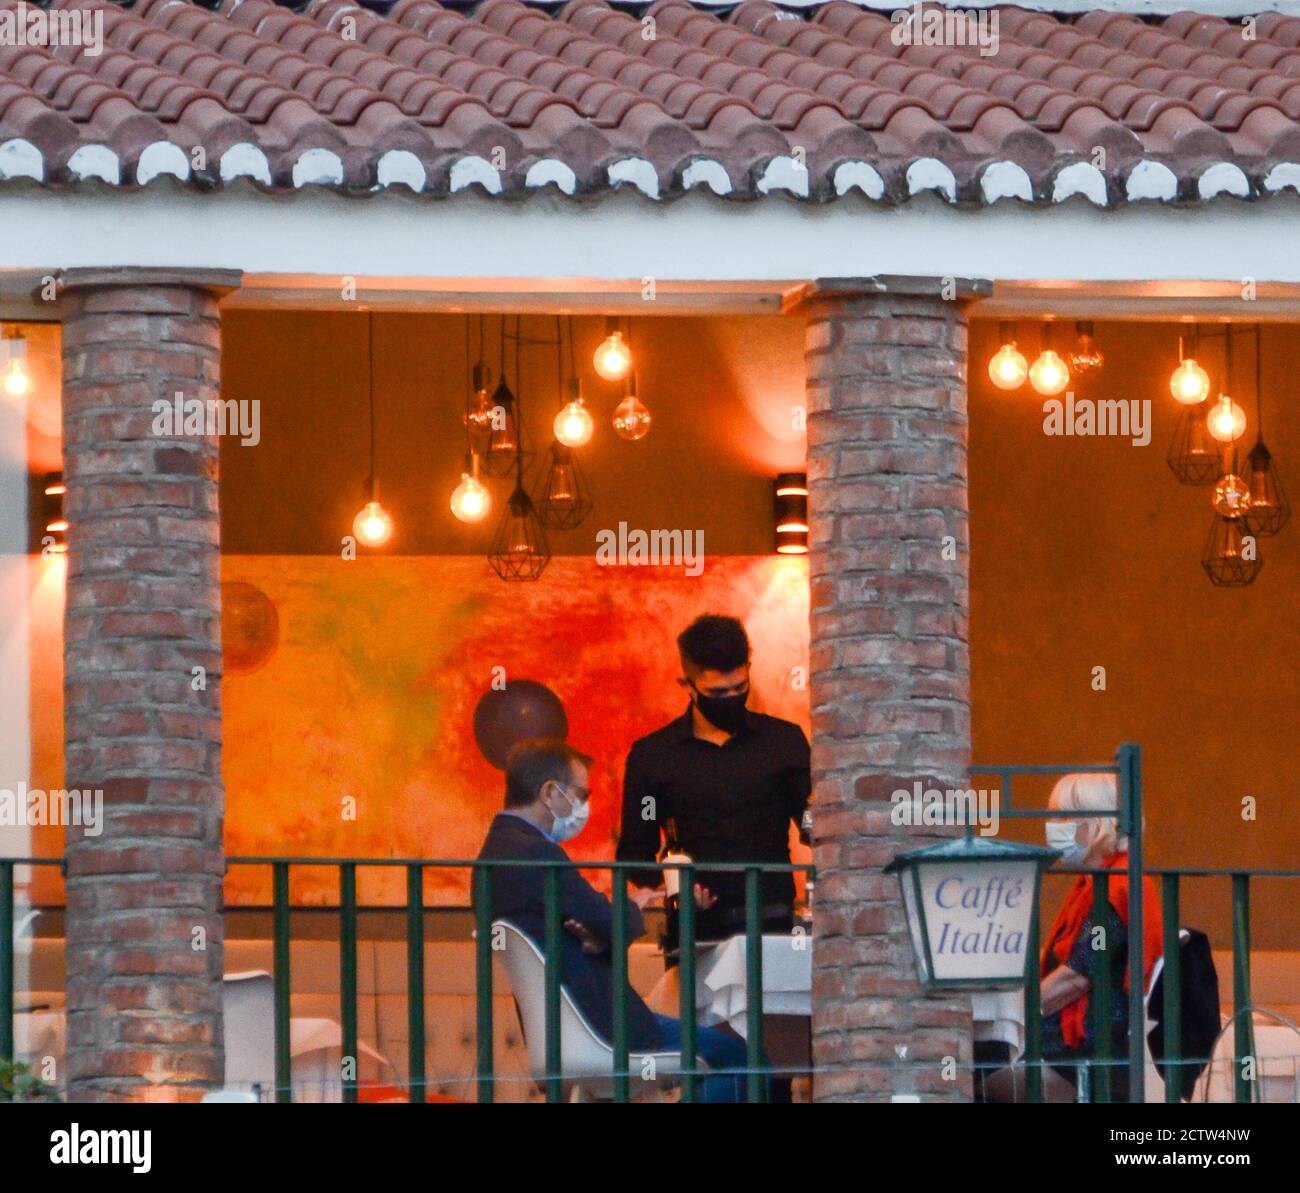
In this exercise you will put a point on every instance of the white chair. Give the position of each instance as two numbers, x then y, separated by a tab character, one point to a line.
586	1061
229	1095
248	1007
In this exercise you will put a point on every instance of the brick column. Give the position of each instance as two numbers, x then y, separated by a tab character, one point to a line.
144	931
890	677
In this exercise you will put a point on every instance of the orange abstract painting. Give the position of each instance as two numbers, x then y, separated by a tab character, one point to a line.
351	687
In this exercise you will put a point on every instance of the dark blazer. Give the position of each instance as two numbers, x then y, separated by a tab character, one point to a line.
588	977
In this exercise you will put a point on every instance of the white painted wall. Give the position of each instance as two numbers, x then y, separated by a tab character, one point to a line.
627	237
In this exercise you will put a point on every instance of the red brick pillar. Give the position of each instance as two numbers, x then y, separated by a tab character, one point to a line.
142	657
890	677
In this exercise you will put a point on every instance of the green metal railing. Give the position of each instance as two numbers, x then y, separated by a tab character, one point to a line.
756	1073
1170	884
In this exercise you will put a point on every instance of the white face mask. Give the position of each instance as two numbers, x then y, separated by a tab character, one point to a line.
1064	835
567	827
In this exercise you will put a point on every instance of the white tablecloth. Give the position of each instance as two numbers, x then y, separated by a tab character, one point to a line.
1000	1015
720	995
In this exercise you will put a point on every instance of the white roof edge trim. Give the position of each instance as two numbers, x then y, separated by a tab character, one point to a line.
1281	176
245	160
784	173
96	161
1080	178
19	158
400	167
162	157
1223	178
318	167
1151	180
550	170
707	171
637	171
930	174
472	170
862	175
1006	180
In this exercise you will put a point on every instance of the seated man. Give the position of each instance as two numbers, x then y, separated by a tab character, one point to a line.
546	802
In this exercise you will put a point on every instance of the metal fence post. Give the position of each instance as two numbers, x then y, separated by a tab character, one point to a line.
280	931
415	981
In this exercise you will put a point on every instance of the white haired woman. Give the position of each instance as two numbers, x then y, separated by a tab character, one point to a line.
1071	955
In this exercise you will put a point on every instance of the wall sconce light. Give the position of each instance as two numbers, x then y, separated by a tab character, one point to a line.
790	509
47	533
17	380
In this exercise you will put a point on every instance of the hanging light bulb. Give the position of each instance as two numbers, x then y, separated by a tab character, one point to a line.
520	551
631	418
470	501
573	425
1086	357
1231	496
373	525
17	380
1269	510
1008	368
479	405
1226	420
1049	374
613	358
563	500
503	441
1231	556
1190	383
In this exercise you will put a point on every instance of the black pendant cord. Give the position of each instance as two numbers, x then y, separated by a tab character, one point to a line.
519	411
559	359
1259	389
469	379
370	384
1227	359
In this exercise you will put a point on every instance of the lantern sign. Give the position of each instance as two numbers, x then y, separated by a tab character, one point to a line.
970	907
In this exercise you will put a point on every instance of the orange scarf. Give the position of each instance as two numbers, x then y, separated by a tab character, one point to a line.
1070	919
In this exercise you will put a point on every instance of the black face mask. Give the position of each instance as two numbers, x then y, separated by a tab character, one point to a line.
726	712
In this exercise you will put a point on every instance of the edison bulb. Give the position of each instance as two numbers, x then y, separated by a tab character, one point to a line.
373	526
1232	496
1008	368
561	490
1190	383
631	418
573	425
17	380
1227	420
1049	374
613	358
470	500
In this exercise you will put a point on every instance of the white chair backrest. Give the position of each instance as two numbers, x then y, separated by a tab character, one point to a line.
582	1052
229	1095
248	1003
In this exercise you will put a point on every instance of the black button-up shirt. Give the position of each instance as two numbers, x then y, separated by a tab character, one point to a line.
731	803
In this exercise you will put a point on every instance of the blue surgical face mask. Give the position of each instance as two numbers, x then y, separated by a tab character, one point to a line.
1064	835
567	827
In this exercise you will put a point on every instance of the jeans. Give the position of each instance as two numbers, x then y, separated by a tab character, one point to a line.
718	1050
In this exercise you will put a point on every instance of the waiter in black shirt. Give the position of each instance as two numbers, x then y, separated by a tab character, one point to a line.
729	779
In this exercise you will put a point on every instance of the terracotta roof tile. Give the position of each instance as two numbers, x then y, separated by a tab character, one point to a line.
589	95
